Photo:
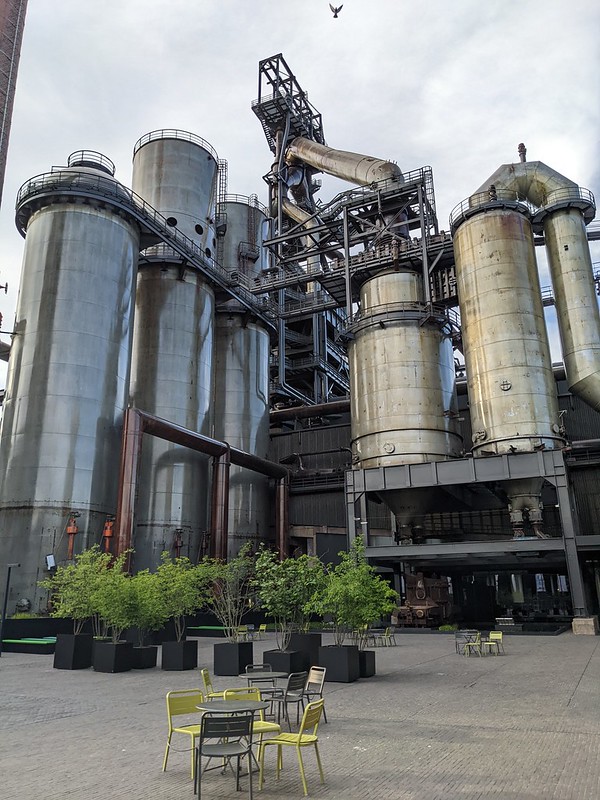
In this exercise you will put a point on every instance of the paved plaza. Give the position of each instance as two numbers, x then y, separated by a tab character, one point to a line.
432	725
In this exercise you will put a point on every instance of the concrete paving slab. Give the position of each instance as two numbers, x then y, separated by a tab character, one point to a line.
431	725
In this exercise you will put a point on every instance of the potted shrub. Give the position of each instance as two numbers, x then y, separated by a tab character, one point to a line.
230	598
72	589
355	597
285	589
183	590
114	602
149	615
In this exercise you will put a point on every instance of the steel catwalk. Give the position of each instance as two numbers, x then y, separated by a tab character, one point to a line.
172	372
67	383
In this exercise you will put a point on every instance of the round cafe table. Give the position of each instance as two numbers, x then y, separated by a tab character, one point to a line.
262	676
221	706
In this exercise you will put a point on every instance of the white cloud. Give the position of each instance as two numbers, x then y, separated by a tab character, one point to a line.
452	85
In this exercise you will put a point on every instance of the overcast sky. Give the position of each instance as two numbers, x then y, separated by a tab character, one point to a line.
454	85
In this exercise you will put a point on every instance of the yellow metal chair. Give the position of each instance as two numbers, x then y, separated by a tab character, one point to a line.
260	725
179	703
494	642
262	630
389	637
243	633
209	691
473	646
306	737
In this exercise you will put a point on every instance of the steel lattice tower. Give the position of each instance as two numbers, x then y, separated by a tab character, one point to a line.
12	22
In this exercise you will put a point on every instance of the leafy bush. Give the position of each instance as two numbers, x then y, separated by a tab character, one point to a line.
73	587
184	588
354	595
232	590
113	598
285	590
149	612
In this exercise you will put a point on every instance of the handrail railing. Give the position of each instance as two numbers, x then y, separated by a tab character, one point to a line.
85	183
174	133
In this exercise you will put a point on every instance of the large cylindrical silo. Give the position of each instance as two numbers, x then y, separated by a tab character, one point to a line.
576	300
172	371
512	393
403	395
69	367
242	376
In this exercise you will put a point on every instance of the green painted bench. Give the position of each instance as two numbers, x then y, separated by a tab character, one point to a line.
42	646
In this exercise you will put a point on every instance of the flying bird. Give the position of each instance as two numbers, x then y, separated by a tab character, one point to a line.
336	11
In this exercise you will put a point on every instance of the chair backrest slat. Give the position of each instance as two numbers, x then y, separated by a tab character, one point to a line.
218	726
311	717
296	682
184	701
259	668
316	678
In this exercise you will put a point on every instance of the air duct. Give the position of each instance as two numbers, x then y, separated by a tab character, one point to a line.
353	167
562	211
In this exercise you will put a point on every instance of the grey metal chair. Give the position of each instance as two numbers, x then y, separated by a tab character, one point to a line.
293	693
233	739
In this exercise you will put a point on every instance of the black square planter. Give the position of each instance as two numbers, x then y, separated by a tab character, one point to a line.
366	662
145	657
341	663
179	656
287	660
73	651
307	643
232	658
109	657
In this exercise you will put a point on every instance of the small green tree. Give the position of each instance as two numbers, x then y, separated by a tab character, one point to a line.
73	586
232	590
149	611
184	589
285	590
354	595
113	598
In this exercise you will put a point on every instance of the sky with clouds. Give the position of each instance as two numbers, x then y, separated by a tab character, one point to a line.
454	85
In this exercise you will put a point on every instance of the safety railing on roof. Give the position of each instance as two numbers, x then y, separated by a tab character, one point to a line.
100	187
173	133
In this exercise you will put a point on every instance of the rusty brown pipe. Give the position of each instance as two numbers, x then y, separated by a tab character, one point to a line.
135	424
281	516
219	513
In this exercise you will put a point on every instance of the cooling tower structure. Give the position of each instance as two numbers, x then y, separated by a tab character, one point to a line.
242	372
512	393
69	367
172	370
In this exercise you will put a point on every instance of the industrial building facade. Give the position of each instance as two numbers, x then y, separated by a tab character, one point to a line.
305	372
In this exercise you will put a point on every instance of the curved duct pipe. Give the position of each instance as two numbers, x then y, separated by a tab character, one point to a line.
564	209
353	167
313	263
137	422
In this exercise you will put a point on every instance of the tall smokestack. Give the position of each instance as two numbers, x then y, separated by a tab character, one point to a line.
12	22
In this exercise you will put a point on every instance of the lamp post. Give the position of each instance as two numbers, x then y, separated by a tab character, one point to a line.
3	617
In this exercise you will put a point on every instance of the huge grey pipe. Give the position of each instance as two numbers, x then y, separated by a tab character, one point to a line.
353	167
